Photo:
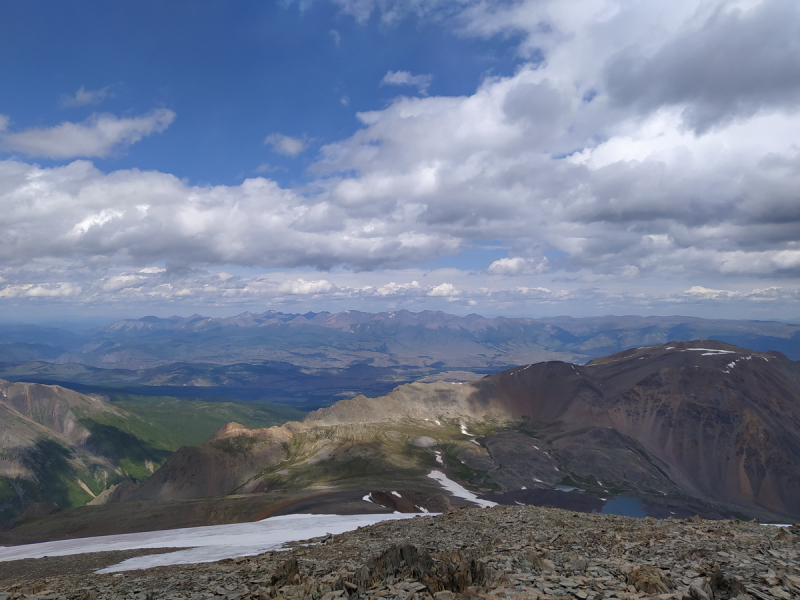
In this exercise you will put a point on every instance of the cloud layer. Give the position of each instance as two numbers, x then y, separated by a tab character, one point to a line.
642	154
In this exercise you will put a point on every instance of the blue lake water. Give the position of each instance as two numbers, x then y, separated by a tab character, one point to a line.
625	506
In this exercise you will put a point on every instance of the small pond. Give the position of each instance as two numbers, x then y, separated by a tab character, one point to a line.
625	506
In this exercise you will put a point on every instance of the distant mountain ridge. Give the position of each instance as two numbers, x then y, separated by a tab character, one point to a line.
674	423
316	358
390	338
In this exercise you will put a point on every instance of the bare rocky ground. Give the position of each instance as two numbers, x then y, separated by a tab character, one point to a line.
498	553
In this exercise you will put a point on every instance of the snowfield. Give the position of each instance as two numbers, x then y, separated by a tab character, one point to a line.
203	544
216	542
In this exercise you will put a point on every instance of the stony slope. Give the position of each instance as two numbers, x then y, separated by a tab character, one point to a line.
503	553
687	420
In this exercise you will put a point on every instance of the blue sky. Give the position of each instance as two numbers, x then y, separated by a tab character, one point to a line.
518	157
231	75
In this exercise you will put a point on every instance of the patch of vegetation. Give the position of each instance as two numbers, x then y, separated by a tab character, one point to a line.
54	474
169	423
129	451
9	500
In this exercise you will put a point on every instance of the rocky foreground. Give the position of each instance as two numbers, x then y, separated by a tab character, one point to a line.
499	553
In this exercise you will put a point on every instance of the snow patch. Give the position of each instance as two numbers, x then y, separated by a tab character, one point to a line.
205	544
711	351
396	494
368	498
458	490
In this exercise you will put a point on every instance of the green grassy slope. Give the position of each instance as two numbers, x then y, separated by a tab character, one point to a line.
127	443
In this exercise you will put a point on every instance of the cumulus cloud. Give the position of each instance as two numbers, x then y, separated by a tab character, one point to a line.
421	82
517	266
80	213
286	145
649	150
445	289
731	65
212	290
84	97
557	157
301	287
98	136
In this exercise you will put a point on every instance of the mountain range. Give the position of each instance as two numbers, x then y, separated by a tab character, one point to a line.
314	359
671	429
672	424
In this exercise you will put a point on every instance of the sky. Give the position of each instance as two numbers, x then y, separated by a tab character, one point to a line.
503	157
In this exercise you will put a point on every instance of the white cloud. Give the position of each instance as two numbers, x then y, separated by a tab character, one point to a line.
79	213
421	82
638	195
221	292
84	97
517	266
445	289
698	291
301	287
395	289
286	145
98	136
56	290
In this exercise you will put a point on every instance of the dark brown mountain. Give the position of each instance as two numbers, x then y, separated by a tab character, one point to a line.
678	425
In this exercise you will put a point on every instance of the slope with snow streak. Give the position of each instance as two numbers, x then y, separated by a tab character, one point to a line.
458	490
203	544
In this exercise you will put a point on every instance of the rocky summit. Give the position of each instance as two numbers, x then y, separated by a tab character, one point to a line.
497	553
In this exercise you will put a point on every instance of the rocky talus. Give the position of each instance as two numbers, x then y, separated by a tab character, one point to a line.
497	553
